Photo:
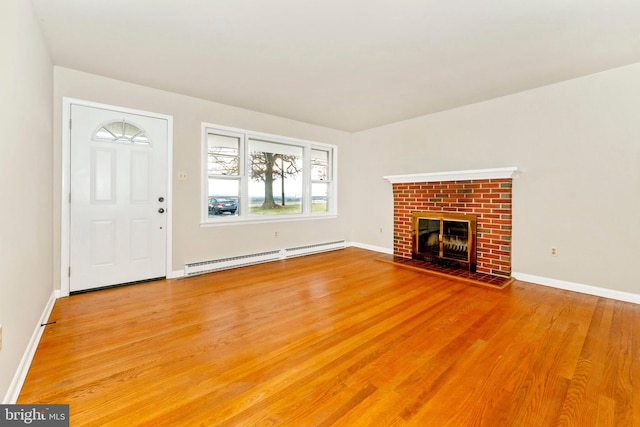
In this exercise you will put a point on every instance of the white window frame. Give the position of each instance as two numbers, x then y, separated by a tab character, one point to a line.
244	177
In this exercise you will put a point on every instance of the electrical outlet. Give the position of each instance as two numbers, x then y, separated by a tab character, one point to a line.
182	176
275	234
554	251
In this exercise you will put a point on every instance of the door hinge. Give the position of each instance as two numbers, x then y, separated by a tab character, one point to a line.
69	272
69	197
69	123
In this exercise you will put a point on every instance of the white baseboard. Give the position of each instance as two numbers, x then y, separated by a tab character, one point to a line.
578	287
180	273
371	248
176	274
23	368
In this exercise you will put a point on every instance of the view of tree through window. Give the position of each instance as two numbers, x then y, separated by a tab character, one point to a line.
249	176
279	168
224	155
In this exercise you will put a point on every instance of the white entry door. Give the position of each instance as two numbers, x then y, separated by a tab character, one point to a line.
118	226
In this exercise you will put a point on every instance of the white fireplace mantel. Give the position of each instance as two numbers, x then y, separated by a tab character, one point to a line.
495	173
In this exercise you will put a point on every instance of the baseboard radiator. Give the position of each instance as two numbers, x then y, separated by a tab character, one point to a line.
196	268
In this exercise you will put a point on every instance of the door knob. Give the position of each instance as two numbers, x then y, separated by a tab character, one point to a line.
161	210
161	199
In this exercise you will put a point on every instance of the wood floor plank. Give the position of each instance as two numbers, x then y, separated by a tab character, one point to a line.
581	404
634	326
542	384
339	350
338	339
617	382
497	372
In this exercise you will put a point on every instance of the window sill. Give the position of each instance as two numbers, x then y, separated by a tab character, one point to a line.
222	222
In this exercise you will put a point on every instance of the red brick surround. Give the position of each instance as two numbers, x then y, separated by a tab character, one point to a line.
489	199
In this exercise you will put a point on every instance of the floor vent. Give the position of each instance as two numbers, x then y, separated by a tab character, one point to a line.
314	249
193	269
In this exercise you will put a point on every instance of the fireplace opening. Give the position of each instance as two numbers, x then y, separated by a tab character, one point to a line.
445	239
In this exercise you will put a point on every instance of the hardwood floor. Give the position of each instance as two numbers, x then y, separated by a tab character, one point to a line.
339	339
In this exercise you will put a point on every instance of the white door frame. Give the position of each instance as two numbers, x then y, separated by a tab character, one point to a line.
65	217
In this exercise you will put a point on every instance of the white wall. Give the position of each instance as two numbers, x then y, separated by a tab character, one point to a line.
191	242
578	146
25	172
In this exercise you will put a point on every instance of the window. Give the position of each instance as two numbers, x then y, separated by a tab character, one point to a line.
223	173
320	183
250	176
121	132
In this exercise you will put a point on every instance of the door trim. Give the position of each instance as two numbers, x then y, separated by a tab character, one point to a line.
65	215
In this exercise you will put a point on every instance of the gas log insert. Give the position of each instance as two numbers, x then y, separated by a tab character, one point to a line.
445	239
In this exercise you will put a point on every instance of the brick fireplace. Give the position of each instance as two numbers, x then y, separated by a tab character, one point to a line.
486	193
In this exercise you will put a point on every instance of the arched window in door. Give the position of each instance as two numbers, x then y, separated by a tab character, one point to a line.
121	131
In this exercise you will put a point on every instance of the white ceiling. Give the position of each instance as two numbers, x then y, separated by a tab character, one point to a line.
345	64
